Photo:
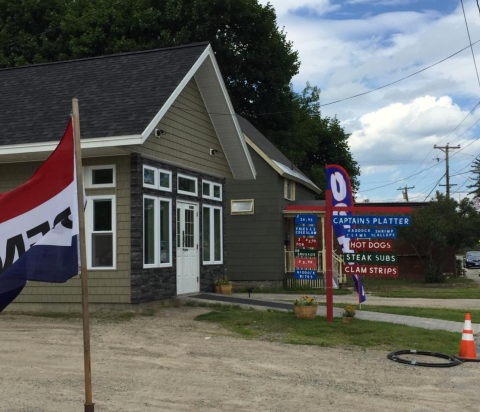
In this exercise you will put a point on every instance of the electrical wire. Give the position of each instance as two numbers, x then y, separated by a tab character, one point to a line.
434	187
470	41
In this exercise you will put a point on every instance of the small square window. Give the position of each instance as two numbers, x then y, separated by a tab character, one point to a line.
211	190
243	207
187	185
150	177
165	180
100	176
206	189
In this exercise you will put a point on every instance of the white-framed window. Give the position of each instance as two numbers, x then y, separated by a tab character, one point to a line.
165	180
211	190
242	207
187	185
212	235
289	189
150	177
101	224
158	179
100	176
157	232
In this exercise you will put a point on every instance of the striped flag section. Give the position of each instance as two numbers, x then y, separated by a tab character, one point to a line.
39	225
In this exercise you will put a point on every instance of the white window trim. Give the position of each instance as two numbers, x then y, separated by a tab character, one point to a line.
157	238
182	192
212	187
247	212
168	172
156	177
88	176
212	235
89	227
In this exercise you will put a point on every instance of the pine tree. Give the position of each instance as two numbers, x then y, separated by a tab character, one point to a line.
476	185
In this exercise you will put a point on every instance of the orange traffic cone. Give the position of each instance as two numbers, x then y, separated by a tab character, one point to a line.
467	345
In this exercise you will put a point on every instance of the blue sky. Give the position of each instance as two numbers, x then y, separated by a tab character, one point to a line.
351	46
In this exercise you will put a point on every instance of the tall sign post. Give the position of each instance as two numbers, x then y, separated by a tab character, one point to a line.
89	405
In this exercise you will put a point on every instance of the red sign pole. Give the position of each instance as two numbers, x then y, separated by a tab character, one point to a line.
328	254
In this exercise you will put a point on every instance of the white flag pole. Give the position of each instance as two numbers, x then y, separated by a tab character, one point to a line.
89	405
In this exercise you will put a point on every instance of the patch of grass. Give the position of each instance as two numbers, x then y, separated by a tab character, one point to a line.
456	315
452	288
148	312
285	327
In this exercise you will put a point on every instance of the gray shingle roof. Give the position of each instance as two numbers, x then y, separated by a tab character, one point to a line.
118	95
267	146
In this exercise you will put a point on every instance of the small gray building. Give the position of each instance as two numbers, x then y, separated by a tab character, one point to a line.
260	236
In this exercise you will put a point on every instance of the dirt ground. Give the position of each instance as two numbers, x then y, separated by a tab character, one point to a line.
169	362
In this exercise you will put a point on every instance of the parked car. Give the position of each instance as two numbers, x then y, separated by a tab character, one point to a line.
471	260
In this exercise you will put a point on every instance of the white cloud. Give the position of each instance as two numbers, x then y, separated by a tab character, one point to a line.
399	130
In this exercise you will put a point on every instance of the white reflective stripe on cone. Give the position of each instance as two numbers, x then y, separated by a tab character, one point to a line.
468	325
467	336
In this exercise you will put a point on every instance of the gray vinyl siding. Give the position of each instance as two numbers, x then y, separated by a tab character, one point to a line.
255	242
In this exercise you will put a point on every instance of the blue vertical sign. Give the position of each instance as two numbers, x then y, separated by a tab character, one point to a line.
306	225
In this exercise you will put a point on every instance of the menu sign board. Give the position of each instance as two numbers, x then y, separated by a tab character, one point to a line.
306	255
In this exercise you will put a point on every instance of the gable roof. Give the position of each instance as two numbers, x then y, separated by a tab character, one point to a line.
122	98
274	157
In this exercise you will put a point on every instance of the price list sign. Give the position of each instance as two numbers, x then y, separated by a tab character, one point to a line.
306	255
362	240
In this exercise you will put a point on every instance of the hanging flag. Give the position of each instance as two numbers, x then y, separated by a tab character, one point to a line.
39	225
339	183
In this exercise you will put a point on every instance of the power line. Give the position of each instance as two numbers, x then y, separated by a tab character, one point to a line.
470	41
433	188
356	95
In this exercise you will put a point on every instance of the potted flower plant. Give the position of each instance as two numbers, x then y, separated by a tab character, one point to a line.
305	307
223	286
348	314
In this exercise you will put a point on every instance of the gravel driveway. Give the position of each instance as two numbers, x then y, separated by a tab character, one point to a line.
169	362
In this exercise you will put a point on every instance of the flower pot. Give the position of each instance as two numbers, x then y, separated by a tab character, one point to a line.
347	319
217	289
306	312
225	289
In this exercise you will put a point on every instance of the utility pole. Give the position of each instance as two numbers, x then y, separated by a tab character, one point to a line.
405	191
446	149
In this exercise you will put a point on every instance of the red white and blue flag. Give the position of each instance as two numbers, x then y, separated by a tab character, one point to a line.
339	183
39	225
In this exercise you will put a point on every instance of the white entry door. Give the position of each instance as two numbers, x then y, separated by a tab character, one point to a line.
188	251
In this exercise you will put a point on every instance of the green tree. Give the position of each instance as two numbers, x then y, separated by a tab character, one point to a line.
476	185
440	229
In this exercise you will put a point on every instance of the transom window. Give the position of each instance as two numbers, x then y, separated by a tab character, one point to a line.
100	176
157	232
158	179
211	190
212	235
101	232
187	185
242	207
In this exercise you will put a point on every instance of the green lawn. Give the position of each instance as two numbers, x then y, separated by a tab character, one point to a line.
453	288
284	327
456	315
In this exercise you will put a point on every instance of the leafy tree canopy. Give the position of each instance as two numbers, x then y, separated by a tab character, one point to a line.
256	59
440	228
